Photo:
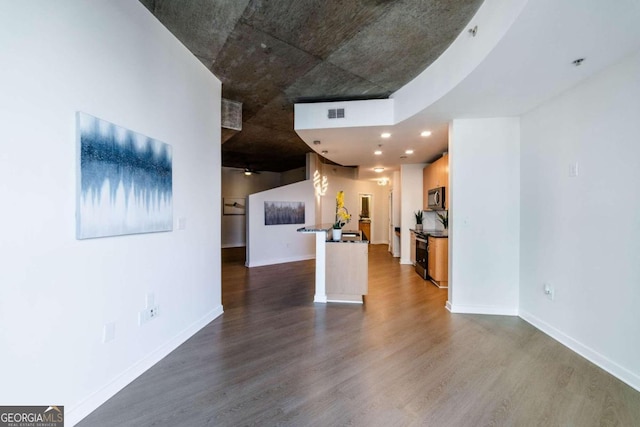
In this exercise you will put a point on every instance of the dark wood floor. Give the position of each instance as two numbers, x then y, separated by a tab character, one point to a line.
276	358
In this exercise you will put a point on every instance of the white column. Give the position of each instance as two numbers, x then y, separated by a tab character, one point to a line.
321	261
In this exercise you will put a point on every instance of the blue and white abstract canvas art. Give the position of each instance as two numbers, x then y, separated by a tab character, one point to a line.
124	181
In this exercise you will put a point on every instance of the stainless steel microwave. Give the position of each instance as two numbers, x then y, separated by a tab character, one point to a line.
436	199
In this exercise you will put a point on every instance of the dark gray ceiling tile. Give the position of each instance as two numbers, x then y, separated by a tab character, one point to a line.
149	4
257	67
277	115
272	163
326	82
265	141
264	149
202	25
405	41
318	27
252	57
272	53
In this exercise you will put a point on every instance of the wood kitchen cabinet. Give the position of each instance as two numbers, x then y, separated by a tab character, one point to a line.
347	271
426	186
438	260
365	227
436	175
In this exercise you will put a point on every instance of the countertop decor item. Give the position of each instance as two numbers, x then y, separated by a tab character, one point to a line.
444	219
419	218
342	214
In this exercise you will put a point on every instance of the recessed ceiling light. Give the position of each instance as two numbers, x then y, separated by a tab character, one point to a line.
385	135
408	152
403	157
578	62
378	170
316	142
377	152
425	133
324	152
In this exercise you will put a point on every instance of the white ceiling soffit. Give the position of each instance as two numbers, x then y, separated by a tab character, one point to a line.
520	57
534	61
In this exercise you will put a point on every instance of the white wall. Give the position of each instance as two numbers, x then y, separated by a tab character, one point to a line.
380	218
582	234
111	59
396	217
236	184
352	189
275	244
484	210
411	183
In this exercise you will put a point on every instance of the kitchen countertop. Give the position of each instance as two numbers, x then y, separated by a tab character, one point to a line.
315	228
432	233
348	236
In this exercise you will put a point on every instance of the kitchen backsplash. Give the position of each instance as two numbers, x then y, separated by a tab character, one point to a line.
430	221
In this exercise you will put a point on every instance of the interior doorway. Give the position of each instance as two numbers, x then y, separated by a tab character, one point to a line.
366	209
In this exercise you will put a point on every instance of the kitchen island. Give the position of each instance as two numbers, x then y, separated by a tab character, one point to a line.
342	270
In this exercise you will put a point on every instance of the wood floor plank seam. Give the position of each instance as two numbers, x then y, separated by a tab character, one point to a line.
276	358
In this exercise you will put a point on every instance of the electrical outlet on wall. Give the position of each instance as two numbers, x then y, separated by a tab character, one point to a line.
549	291
148	314
153	312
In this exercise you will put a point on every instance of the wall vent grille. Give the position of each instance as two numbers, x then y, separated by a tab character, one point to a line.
231	114
336	113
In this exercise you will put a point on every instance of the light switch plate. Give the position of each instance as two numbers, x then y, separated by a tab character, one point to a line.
573	170
150	300
109	332
182	223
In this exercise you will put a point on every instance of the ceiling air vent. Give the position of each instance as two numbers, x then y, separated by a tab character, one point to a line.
336	113
231	114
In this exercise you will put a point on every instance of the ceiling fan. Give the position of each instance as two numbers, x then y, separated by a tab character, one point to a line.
250	171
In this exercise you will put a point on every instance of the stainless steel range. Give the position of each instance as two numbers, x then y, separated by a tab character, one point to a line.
421	255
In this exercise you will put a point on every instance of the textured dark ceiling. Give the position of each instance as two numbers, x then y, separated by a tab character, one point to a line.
271	54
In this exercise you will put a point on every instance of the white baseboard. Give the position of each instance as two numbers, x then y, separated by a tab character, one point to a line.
280	260
588	353
405	261
76	413
481	309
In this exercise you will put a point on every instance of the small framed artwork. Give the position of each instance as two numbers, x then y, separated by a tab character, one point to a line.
233	206
276	213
